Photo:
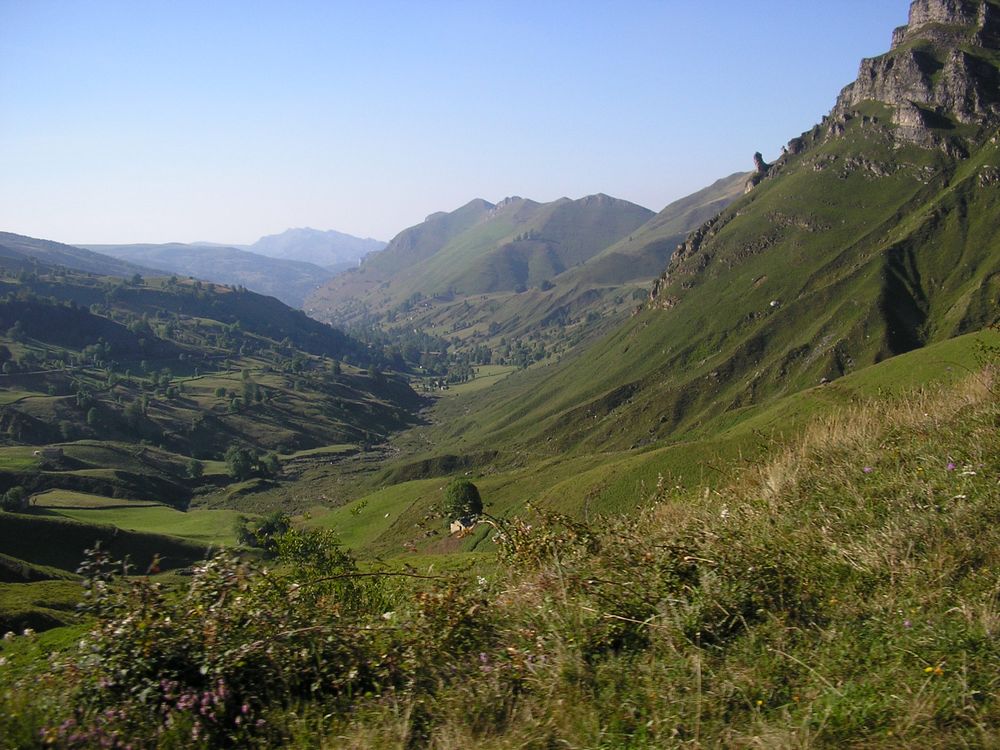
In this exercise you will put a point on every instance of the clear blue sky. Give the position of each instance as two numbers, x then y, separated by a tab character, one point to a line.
170	120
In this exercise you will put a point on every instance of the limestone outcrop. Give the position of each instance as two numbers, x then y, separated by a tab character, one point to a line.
940	71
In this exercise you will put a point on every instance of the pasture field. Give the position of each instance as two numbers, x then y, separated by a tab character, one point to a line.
210	527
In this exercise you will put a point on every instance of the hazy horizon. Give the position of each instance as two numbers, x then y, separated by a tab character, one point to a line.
185	122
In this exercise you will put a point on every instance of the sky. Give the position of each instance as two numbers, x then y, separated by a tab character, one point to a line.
171	120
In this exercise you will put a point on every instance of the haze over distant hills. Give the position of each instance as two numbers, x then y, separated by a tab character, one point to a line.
555	272
329	249
288	280
30	249
288	266
483	248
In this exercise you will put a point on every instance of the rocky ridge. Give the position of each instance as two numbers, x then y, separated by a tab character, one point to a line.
941	71
941	81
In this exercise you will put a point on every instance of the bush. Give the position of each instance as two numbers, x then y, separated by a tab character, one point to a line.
462	499
208	666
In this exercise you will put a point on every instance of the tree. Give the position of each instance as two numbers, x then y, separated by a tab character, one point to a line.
240	462
461	499
16	331
265	533
134	414
14	499
195	468
270	465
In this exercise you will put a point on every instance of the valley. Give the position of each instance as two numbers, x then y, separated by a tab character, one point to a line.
533	474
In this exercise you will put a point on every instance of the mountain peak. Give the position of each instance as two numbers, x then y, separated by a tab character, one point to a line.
940	72
924	13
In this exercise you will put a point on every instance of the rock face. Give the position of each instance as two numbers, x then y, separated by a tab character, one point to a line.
941	82
761	169
940	71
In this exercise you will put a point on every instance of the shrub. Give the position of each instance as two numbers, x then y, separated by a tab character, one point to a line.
208	665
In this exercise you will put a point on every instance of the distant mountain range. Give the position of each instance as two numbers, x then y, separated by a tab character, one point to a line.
557	272
288	280
329	249
288	266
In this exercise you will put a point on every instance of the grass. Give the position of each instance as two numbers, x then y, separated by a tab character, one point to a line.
486	377
18	458
325	450
8	396
39	605
360	523
207	527
590	484
847	598
47	538
68	500
838	590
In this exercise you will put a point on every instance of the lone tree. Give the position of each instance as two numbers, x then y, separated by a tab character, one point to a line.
240	462
461	499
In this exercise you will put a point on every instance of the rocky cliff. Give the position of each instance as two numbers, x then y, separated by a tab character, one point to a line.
938	87
940	72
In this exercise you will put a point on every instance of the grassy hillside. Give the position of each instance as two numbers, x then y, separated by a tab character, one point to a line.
405	518
512	284
856	250
644	253
836	591
126	404
60	542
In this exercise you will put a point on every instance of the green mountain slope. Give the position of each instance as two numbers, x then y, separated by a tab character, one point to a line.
480	248
517	282
643	254
872	235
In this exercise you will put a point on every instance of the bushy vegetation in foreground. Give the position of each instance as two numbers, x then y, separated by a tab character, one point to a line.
844	593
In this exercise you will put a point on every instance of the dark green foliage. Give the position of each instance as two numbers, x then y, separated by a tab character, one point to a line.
461	499
270	465
14	499
241	462
195	468
263	533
